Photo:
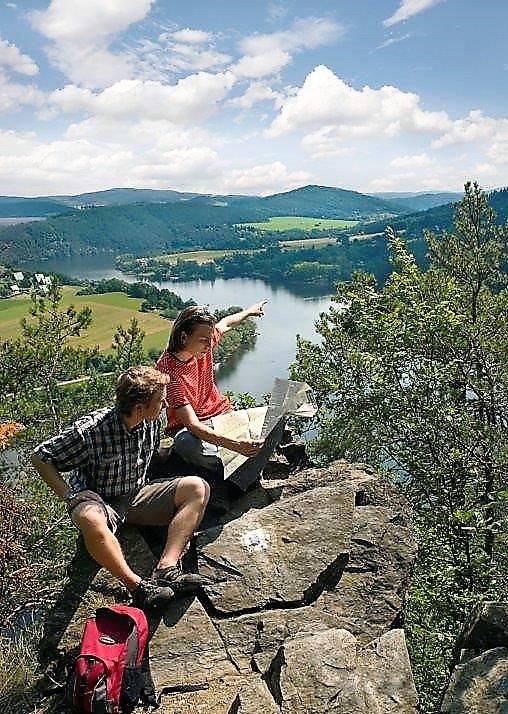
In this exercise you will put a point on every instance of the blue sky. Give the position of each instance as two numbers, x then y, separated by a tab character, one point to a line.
235	96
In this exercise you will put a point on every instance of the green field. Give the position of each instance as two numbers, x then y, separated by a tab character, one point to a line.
366	236
301	223
200	256
108	311
307	243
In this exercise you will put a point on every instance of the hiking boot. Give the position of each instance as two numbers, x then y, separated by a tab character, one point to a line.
179	582
150	595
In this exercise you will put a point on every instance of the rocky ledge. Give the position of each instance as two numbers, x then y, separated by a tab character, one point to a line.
479	679
305	614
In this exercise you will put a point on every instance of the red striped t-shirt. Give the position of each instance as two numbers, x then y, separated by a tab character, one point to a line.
192	382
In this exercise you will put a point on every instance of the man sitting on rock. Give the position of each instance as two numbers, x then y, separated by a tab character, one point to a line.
108	453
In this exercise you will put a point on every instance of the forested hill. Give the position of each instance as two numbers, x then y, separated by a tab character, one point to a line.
316	201
138	229
199	222
326	202
413	202
123	196
17	206
436	219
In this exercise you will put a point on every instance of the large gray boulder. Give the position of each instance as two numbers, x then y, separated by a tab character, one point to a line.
330	672
479	680
479	685
309	573
281	554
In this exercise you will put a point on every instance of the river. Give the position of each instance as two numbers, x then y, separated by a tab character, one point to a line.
286	315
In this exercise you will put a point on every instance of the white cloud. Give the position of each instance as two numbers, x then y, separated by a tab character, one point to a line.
13	96
181	51
324	143
86	21
265	54
191	100
325	99
306	33
256	92
475	127
190	36
101	154
264	179
81	32
261	65
393	41
414	161
179	164
441	178
489	175
12	58
407	9
182	57
498	151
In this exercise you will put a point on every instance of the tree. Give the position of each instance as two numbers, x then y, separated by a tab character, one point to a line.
45	343
128	345
414	378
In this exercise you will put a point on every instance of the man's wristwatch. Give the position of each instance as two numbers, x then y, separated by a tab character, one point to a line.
71	494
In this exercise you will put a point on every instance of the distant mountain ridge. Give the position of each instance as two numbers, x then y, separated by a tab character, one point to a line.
437	219
191	222
420	201
123	196
315	201
20	207
183	223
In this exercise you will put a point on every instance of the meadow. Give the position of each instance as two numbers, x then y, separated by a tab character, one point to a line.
208	256
301	223
109	310
200	256
307	243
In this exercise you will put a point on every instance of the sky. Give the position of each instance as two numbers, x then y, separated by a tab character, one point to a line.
252	97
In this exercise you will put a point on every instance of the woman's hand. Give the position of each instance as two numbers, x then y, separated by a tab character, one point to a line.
248	447
257	310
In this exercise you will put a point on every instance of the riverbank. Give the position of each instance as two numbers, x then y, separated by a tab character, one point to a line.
286	315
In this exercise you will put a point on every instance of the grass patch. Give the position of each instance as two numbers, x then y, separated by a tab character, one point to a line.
19	671
301	223
200	256
307	243
109	310
365	236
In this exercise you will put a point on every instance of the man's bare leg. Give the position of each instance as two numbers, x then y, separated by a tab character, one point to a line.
102	544
191	497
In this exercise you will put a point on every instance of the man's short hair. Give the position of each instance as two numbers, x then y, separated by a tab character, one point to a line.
137	385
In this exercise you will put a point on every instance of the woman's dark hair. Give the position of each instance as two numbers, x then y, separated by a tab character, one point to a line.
186	322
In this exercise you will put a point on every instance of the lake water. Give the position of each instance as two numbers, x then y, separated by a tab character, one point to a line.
286	315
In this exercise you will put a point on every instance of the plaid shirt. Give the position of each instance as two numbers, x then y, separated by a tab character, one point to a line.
101	454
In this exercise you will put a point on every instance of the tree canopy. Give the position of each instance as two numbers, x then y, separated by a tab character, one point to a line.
414	378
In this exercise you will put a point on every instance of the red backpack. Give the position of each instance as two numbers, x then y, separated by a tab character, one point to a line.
106	677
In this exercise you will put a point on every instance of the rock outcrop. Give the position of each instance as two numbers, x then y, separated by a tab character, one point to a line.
479	680
304	615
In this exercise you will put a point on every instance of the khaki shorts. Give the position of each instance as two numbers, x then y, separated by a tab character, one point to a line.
152	505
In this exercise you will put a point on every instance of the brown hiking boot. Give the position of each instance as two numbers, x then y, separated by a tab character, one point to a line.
150	595
179	582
